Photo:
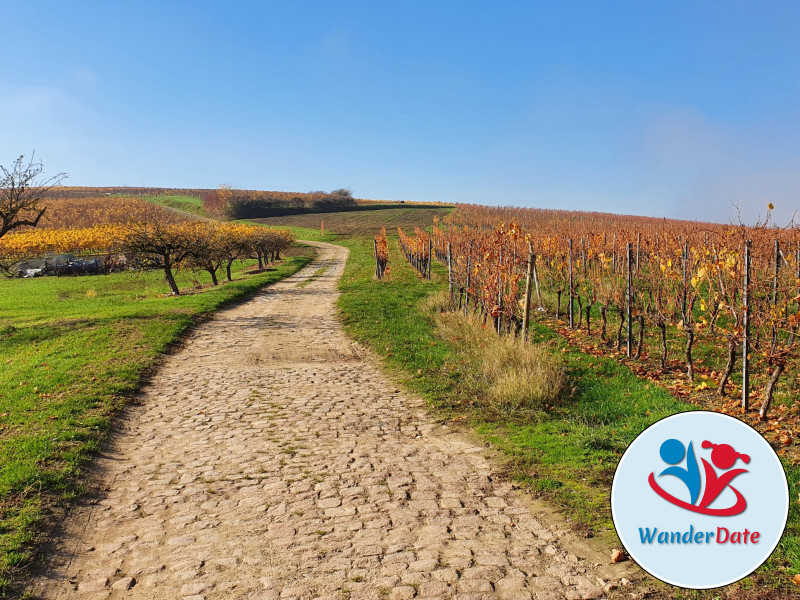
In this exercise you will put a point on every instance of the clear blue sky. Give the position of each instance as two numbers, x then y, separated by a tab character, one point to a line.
661	108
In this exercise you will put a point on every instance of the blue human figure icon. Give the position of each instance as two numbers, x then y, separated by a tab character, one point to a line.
672	453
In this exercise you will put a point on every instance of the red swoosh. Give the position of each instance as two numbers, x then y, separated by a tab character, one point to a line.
737	508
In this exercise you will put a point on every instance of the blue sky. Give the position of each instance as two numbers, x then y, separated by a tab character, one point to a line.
669	109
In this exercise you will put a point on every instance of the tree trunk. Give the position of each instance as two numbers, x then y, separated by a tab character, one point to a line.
770	391
621	325
228	269
580	311
726	374
558	304
689	343
213	272
663	327
169	277
260	257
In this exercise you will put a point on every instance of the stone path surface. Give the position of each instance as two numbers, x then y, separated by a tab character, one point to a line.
269	459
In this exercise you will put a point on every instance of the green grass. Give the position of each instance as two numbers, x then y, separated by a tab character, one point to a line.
72	349
381	314
567	456
188	204
365	220
302	233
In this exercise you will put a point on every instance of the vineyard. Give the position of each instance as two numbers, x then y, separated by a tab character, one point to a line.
719	305
83	212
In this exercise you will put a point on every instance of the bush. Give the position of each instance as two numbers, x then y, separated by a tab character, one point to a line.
342	193
521	375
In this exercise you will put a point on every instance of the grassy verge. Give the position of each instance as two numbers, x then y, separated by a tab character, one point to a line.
365	220
188	204
71	350
567	453
302	233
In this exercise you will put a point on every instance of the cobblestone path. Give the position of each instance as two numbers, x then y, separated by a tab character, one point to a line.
268	459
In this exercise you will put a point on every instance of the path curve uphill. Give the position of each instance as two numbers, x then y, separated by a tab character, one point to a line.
268	458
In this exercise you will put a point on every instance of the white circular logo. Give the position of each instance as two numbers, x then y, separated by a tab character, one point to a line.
699	500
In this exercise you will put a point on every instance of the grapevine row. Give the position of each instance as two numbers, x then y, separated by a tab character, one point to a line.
381	248
734	288
417	250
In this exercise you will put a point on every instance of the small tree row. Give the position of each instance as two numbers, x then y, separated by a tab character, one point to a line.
205	245
201	245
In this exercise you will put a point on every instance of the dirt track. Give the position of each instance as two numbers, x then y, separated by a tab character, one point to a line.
268	458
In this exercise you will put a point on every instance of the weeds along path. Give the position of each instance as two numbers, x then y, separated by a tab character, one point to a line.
267	458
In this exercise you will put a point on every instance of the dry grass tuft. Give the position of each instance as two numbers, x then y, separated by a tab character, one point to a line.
511	375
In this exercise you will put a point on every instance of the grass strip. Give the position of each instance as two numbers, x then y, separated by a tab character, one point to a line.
188	204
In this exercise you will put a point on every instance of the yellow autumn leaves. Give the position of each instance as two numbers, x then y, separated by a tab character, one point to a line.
104	239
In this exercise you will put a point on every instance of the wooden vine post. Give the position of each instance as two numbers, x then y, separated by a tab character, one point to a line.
614	252
449	268
526	315
779	364
685	260
629	298
570	309
536	282
377	258
430	257
583	256
775	291
499	319
746	328
469	280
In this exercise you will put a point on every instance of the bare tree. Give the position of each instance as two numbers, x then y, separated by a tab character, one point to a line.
172	243
22	188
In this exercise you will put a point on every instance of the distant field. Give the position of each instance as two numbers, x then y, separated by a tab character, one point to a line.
362	222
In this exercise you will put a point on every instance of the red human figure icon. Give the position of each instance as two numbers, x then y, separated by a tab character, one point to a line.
724	457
